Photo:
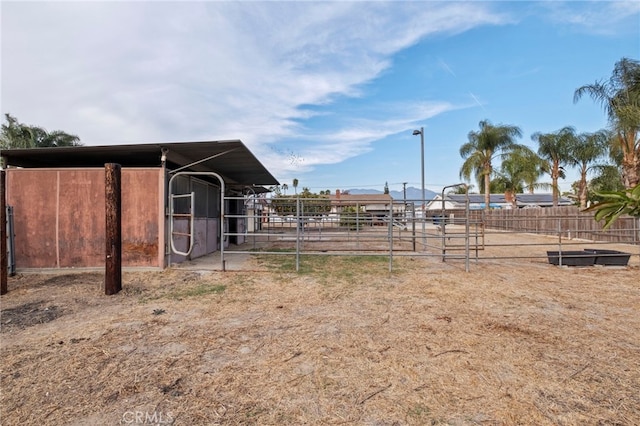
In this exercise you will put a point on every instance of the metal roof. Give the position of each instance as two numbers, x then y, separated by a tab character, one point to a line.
231	159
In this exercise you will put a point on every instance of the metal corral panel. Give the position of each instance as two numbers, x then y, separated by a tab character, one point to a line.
59	217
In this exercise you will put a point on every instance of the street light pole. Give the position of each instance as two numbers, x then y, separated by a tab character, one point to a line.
422	207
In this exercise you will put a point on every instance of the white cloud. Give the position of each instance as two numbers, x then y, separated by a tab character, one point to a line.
356	137
124	72
598	17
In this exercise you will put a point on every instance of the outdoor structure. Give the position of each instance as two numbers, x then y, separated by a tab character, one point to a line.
175	201
497	201
375	205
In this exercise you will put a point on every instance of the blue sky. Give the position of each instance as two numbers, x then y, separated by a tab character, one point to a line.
325	92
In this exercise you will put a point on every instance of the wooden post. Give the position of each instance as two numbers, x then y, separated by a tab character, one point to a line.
113	229
3	235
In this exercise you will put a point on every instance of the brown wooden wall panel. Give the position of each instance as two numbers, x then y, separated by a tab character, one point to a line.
33	194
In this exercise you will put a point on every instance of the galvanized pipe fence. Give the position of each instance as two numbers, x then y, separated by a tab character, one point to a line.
317	227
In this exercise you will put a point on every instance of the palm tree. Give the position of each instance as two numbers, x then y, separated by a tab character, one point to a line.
509	181
530	168
521	169
17	135
620	98
608	176
589	148
607	179
483	147
295	186
555	148
461	190
44	139
284	188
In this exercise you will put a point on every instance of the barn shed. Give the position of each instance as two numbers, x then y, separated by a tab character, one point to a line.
175	201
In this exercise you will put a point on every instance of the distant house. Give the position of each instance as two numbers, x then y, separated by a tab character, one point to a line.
375	205
496	201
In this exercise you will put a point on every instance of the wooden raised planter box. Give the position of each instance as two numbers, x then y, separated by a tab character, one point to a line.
610	257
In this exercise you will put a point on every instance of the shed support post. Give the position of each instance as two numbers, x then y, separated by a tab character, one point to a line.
3	234
113	229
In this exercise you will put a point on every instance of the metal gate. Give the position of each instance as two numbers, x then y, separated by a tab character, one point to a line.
189	216
172	215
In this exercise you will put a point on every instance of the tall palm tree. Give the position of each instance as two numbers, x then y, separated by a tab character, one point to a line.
555	148
482	148
295	186
620	98
588	148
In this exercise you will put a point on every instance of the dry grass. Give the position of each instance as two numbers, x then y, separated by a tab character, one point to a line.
343	342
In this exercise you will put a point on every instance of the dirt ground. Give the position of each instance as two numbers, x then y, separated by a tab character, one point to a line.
342	342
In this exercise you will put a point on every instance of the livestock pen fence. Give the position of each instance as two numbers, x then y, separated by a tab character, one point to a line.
326	227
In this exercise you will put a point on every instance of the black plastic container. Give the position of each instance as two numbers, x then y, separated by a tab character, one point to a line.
609	257
572	258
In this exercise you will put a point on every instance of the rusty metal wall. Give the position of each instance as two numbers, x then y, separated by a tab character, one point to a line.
60	217
80	218
33	195
143	217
